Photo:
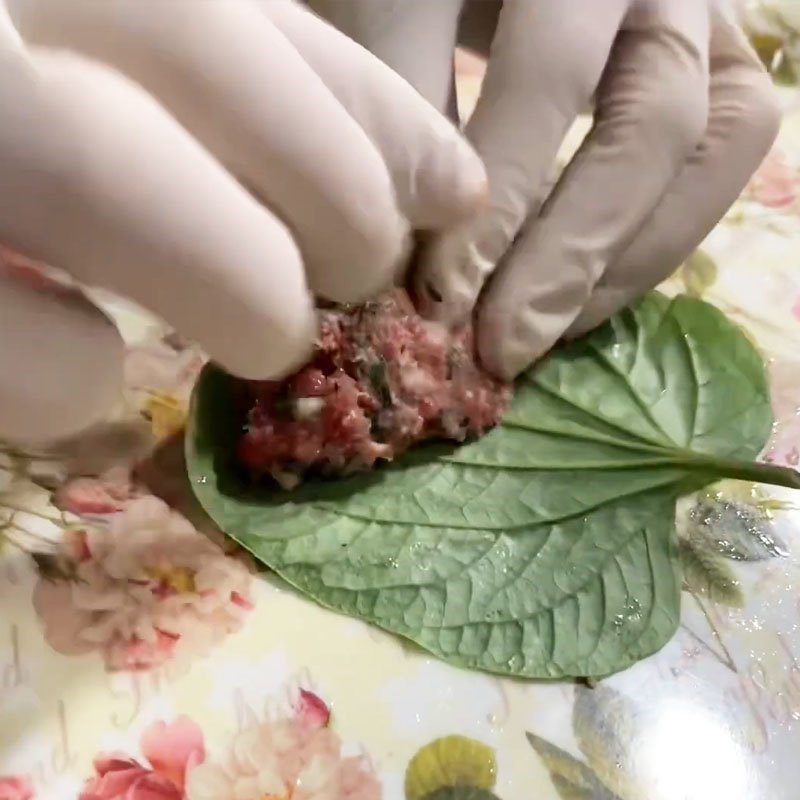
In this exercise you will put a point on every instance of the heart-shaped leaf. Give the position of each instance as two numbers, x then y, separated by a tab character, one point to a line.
546	549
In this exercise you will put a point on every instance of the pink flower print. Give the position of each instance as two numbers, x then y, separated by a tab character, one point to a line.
291	758
144	589
312	710
120	778
91	497
172	750
775	184
15	787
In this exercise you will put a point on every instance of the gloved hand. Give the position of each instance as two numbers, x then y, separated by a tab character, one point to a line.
684	114
128	132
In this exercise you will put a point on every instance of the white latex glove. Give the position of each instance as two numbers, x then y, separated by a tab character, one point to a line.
128	132
684	114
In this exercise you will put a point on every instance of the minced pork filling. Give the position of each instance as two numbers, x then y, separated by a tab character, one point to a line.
380	380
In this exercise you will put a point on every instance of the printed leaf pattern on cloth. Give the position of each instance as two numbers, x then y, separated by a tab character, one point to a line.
572	779
732	524
606	725
462	793
698	273
740	531
452	761
546	549
705	572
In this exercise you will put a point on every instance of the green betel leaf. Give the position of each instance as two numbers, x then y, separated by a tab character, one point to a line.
546	549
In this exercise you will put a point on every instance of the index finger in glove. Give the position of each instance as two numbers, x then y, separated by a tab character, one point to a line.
437	176
743	122
544	66
652	112
235	82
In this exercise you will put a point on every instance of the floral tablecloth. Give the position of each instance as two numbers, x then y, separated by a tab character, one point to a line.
142	656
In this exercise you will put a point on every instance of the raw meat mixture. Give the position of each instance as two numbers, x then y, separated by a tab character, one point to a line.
381	379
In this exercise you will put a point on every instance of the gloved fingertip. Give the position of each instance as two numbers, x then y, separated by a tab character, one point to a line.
270	350
580	328
358	267
452	185
450	305
503	356
449	276
511	337
470	181
604	303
